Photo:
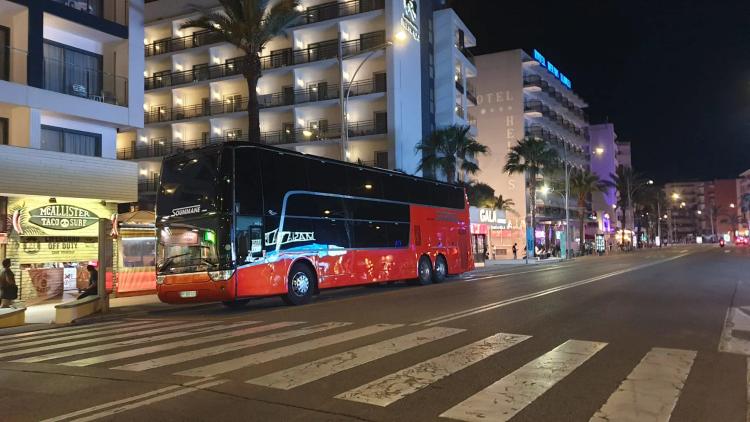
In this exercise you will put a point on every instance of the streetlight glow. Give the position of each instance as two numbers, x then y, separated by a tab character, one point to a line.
401	36
599	151
675	196
545	189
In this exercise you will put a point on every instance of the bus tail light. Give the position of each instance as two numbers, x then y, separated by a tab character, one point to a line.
221	275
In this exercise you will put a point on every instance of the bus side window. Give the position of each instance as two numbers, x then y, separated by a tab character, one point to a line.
249	239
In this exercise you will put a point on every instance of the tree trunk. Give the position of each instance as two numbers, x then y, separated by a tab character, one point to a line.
532	189
252	74
582	242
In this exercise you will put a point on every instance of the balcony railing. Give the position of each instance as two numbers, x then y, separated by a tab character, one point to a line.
538	82
364	43
196	39
469	56
460	111
334	10
319	92
148	186
471	92
160	148
459	85
84	82
112	10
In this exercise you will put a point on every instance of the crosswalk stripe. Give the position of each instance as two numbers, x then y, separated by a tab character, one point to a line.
651	390
178	344
35	341
170	327
229	347
511	394
313	371
131	342
393	387
278	353
14	338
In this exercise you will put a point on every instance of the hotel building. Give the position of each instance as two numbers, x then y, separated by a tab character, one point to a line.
521	95
405	65
70	77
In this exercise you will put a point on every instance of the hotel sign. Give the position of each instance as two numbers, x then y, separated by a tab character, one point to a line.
62	217
410	18
552	69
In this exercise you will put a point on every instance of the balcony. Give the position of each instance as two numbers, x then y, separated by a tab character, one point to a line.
471	92
365	42
335	10
469	56
169	45
85	82
319	92
459	109
459	85
148	186
112	10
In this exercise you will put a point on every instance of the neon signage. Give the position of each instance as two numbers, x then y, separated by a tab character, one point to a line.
552	69
410	18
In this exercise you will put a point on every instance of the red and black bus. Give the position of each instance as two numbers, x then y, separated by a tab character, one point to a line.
237	221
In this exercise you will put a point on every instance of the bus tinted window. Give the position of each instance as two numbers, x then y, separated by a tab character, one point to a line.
248	183
317	206
377	211
326	177
193	179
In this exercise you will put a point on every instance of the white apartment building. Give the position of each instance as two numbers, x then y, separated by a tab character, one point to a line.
70	77
523	94
393	58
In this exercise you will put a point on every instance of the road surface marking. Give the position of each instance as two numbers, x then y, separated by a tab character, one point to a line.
178	344
105	339
394	387
503	275
321	368
505	398
55	332
132	342
651	390
281	352
195	384
484	308
229	347
125	328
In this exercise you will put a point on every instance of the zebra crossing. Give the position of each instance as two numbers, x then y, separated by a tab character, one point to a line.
226	351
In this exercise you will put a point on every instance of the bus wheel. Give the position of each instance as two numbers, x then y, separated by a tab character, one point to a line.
424	272
300	285
441	270
236	304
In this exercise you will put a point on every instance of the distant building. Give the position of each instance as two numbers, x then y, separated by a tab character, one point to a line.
624	157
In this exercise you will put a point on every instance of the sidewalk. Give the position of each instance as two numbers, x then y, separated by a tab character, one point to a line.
532	261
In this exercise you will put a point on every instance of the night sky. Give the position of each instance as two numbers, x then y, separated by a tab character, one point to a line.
672	75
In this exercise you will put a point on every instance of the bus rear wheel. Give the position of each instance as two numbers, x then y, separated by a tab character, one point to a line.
441	270
300	285
424	272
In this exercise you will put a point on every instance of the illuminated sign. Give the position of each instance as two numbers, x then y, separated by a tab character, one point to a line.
62	217
192	209
552	69
410	18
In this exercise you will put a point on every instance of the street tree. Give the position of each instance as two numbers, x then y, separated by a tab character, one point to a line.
450	150
480	195
530	157
249	25
628	183
583	184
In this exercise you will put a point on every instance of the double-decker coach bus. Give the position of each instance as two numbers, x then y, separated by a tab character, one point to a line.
237	221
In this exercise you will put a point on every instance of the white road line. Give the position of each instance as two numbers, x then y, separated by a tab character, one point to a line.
124	328
484	308
105	339
278	353
178	344
512	393
226	348
393	387
147	395
132	342
503	275
651	390
321	368
53	332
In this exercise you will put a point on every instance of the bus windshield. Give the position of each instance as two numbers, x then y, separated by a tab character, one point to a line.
196	244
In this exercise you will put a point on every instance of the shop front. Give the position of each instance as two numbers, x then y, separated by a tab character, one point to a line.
493	235
50	241
135	273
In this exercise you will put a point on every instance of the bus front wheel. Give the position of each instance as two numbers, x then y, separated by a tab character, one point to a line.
300	285
424	272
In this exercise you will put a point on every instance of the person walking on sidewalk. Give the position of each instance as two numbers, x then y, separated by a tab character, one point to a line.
8	287
515	251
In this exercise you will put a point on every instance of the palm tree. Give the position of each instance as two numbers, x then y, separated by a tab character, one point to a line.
451	150
628	183
530	156
480	195
582	184
504	204
249	25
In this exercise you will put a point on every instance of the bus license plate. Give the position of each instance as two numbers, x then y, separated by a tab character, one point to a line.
188	294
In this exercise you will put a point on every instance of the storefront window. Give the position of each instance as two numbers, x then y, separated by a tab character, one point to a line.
138	252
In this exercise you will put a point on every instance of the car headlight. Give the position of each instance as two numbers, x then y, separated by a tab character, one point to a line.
222	275
160	279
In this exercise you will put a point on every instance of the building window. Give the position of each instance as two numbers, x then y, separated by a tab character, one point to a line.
3	131
71	141
4	53
72	71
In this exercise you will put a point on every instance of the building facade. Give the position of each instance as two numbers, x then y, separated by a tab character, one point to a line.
70	79
522	94
393	58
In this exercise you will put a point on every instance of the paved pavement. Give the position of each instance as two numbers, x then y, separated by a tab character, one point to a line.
632	337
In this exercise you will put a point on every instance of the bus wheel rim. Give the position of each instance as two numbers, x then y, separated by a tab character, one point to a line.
300	284
424	269
440	267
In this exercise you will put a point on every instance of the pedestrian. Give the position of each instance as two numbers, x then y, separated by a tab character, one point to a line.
92	289
8	287
515	251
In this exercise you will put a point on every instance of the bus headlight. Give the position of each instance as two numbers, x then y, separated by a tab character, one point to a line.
222	275
160	279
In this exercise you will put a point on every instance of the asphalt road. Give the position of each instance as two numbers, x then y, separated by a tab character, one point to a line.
632	337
